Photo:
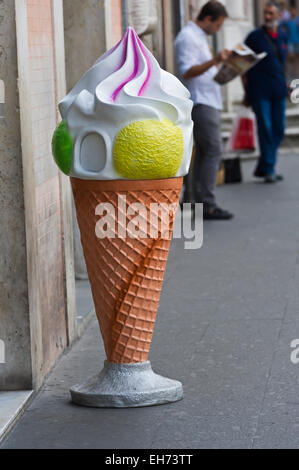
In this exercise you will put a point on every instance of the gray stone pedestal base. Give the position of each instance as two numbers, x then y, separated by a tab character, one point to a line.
126	386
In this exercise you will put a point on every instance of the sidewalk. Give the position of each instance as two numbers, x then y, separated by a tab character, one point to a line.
227	317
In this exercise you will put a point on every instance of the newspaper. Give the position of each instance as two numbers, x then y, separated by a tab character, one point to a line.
241	60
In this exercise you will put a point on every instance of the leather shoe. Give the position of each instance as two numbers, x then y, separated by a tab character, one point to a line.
259	174
273	178
217	214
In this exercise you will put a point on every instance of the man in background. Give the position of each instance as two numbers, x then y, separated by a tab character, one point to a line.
197	68
266	90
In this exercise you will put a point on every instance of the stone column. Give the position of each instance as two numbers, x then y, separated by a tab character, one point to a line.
37	308
169	35
142	16
235	30
16	372
236	9
91	27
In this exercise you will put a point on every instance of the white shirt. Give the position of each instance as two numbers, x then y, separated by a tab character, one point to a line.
192	48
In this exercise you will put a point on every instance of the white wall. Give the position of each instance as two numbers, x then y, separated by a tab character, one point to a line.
237	27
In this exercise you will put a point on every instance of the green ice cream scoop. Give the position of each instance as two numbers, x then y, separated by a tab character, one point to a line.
62	148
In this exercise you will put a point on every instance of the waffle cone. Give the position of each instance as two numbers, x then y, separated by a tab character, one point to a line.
126	274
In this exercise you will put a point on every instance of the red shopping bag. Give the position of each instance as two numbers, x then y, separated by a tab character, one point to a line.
243	135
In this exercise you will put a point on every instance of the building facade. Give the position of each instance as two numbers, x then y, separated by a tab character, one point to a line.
45	47
35	295
37	269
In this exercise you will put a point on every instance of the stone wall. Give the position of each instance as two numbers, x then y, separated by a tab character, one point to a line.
85	36
240	23
47	183
37	295
91	27
116	21
14	308
34	279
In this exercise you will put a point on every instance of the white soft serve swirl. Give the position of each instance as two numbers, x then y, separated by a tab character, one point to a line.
101	103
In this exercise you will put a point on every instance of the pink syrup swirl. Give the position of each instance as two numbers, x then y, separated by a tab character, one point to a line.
148	66
131	36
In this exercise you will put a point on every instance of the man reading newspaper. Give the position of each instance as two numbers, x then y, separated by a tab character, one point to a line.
241	59
197	68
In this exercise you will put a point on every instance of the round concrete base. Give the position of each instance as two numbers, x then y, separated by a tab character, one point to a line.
126	386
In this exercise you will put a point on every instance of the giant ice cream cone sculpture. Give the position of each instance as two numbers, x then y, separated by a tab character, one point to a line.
126	142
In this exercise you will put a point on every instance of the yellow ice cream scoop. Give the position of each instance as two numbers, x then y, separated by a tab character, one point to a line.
149	149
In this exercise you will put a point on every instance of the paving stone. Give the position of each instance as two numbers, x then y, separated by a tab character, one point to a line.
227	316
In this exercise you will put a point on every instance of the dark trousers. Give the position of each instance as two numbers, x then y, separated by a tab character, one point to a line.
271	120
200	184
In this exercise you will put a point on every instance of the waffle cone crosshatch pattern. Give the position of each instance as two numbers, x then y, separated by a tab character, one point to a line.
126	274
126	277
